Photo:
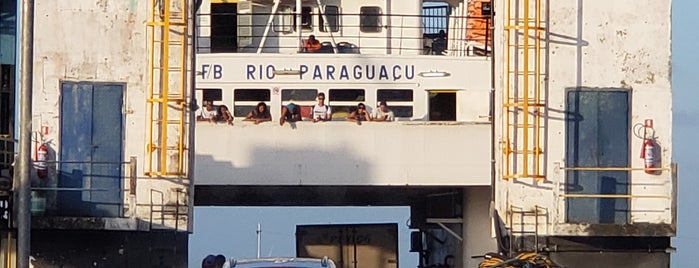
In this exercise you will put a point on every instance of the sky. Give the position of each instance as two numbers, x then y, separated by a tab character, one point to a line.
226	230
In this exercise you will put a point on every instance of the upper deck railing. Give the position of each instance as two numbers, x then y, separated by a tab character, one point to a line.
432	33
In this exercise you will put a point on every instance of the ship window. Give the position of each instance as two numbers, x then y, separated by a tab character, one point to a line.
246	99
442	106
370	19
341	100
306	18
283	22
211	94
299	94
333	15
400	101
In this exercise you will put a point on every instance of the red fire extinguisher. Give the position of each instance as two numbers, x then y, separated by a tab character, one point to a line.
648	149
41	168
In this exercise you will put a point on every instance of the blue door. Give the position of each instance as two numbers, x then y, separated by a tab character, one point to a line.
597	136
91	147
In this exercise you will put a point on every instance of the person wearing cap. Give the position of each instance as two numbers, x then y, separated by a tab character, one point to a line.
291	112
382	113
208	113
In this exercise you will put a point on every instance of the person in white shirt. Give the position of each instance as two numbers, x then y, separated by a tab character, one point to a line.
382	113
320	111
208	113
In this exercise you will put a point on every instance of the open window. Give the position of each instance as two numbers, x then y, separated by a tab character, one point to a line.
245	100
442	106
224	27
306	18
400	101
305	98
211	94
342	100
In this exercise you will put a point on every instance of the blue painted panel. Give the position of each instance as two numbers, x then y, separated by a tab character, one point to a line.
91	131
76	135
8	31
107	147
597	135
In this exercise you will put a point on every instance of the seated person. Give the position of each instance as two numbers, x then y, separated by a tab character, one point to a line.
259	114
382	113
291	112
311	45
439	44
359	114
321	112
207	113
224	115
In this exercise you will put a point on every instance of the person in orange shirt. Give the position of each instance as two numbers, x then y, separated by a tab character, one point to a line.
312	45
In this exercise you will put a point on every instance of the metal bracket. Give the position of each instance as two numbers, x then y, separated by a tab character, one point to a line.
442	221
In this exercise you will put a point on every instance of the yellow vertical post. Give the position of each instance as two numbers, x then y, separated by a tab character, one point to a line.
165	84
523	89
167	107
149	95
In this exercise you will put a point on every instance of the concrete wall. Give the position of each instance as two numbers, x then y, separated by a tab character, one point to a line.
601	45
95	41
478	238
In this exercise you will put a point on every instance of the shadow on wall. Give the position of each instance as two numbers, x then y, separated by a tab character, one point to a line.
276	166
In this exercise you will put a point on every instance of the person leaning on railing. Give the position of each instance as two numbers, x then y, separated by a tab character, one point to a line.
382	113
208	112
259	114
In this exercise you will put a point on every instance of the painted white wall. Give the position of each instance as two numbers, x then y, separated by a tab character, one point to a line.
600	44
342	153
96	41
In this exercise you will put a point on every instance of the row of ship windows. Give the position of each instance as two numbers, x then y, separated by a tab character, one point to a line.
400	101
369	19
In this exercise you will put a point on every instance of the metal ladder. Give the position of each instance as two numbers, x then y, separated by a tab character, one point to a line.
524	89
166	148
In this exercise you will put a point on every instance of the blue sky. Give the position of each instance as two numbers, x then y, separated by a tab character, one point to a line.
226	230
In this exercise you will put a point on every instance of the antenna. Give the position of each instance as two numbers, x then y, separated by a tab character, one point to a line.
259	239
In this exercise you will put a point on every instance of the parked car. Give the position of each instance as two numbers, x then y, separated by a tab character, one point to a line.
282	262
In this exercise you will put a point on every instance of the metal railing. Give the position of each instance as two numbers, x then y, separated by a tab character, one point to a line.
220	33
162	211
672	169
54	188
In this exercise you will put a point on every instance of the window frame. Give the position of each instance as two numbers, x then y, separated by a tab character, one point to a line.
363	16
304	27
337	16
339	107
249	105
285	15
397	103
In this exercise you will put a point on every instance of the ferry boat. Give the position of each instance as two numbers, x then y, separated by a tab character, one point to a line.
518	124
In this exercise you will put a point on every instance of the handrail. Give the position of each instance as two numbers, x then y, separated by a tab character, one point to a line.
613	169
425	28
131	177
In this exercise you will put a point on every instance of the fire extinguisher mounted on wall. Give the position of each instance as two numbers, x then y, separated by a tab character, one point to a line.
649	149
41	156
